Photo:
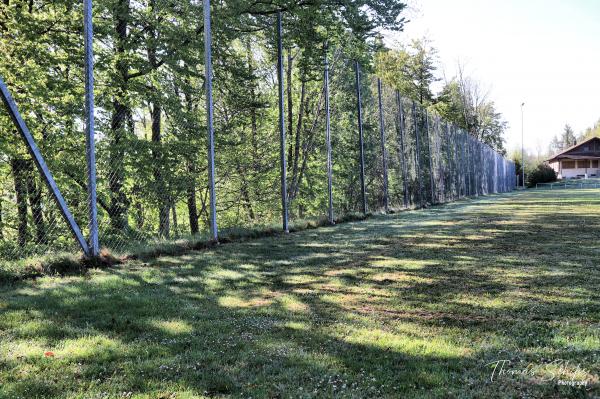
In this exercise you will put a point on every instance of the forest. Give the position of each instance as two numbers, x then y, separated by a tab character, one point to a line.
151	116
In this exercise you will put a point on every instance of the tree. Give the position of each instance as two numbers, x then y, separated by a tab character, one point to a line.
590	132
151	134
568	137
411	70
465	104
541	174
565	140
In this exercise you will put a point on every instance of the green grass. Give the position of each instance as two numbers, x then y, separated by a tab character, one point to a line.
415	304
62	263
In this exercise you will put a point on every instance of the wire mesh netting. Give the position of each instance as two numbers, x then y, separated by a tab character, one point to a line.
30	221
151	135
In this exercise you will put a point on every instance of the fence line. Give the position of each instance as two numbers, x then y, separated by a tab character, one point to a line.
405	157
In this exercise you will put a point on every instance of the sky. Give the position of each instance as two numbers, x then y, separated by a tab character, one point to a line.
545	53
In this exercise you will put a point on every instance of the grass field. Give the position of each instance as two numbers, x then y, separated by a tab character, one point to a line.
419	304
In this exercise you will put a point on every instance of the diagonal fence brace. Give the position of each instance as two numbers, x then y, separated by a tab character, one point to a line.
34	151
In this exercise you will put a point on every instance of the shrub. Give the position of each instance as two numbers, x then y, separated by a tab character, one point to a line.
541	174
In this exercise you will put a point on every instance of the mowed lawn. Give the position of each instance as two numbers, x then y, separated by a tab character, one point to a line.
417	304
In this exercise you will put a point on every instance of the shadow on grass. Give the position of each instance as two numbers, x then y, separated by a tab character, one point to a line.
411	305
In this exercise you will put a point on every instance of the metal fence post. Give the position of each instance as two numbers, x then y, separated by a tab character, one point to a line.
442	166
448	177
417	153
88	33
401	128
284	201
431	173
467	165
360	138
480	168
209	119
472	160
455	162
383	150
328	142
456	156
477	171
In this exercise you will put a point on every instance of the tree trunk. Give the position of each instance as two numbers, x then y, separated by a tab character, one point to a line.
174	212
164	205
308	146
244	191
290	104
19	178
191	200
253	113
254	127
139	213
35	202
192	204
1	221
118	198
296	160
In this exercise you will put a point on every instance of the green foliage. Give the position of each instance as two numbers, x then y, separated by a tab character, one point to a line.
462	102
541	174
565	140
410	70
151	135
590	132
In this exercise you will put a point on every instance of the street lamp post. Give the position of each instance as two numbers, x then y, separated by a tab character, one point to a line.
522	148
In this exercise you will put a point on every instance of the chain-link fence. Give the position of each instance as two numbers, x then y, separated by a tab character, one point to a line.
151	140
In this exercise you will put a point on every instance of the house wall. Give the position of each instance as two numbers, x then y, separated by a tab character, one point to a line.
563	173
572	173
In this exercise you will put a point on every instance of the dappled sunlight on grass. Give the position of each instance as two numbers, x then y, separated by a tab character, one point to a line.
232	301
508	301
387	341
399	263
292	304
414	304
399	277
172	327
295	325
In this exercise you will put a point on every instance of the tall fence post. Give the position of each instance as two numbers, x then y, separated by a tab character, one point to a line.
469	162
88	33
479	160
209	119
463	164
472	159
360	138
417	153
476	161
460	158
284	201
383	150
431	173
401	129
448	178
466	165
328	142
442	166
455	161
